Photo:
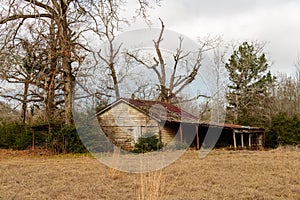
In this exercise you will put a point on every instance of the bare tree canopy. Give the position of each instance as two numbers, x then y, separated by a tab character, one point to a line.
62	25
187	61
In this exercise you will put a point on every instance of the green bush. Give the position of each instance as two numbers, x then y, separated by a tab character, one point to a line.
271	140
147	143
65	139
15	135
285	130
60	138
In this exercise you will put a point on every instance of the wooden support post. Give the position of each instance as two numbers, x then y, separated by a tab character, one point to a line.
159	133
234	139
260	139
180	132
263	139
256	140
242	139
250	140
197	136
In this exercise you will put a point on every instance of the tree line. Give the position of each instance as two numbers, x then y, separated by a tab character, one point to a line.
45	50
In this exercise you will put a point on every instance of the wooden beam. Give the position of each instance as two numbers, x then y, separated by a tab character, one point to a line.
256	140
197	136
260	139
159	132
180	132
250	140
234	139
263	139
242	139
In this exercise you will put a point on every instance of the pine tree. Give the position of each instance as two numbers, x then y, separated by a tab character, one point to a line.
249	82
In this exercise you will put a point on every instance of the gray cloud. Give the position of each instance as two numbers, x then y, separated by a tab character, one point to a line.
273	21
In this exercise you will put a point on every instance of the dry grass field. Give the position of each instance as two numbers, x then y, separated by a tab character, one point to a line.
273	174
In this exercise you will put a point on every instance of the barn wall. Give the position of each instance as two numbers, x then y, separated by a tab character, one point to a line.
124	124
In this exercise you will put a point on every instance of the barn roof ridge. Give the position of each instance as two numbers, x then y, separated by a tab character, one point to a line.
174	113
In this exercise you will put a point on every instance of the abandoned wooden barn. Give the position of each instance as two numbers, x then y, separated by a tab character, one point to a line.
126	120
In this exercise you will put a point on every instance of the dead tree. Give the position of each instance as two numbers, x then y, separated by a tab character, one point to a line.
170	88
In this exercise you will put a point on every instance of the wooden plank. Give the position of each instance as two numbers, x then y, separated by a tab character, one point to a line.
234	139
180	131
242	139
249	140
197	136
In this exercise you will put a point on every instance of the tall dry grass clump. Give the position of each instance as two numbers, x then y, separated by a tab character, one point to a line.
113	172
151	186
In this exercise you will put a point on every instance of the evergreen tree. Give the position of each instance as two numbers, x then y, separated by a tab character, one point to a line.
249	81
285	130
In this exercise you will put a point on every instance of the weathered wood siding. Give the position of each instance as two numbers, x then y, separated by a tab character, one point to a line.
124	124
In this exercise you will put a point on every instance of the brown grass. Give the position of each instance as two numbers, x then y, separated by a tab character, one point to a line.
222	174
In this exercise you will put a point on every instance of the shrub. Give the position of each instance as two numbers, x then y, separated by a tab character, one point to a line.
65	140
285	130
15	135
147	143
60	139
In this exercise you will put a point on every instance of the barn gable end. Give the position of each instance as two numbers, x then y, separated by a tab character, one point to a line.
124	124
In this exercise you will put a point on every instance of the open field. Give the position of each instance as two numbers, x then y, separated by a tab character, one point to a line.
222	174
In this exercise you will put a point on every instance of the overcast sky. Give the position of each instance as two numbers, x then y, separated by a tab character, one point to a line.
276	22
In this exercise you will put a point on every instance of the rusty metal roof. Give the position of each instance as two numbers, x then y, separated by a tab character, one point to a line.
231	126
163	111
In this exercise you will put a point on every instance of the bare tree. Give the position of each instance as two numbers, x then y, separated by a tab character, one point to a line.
68	20
219	82
62	14
107	22
20	72
286	96
170	88
33	62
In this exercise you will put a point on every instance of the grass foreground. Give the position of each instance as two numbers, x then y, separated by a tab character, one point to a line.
273	174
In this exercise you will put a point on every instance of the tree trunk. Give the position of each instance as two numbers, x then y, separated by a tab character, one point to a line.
115	80
50	98
68	91
24	103
50	86
69	79
236	109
